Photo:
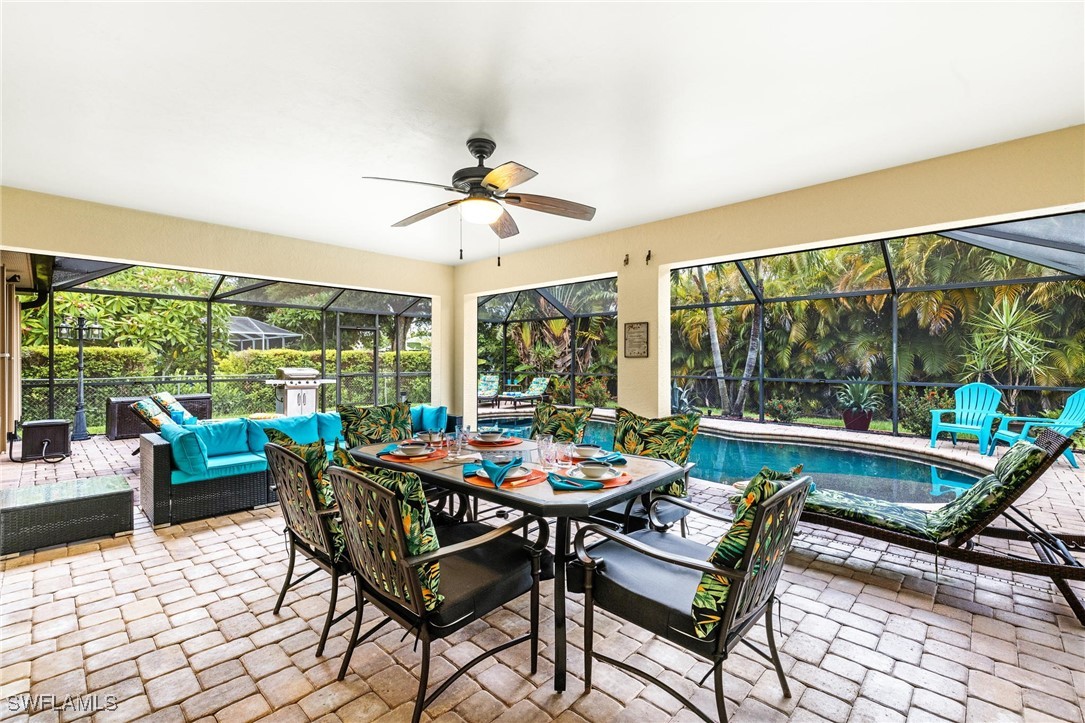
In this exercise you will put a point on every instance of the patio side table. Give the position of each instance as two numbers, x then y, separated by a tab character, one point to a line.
53	514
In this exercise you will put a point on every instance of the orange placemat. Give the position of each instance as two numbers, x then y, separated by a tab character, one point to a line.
500	443
439	454
623	479
534	478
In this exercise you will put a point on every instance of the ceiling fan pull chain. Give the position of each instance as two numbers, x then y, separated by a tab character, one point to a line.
498	250
461	238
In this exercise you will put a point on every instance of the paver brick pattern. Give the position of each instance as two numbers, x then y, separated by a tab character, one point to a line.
176	625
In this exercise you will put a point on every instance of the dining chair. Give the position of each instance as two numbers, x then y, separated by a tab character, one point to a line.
312	524
701	599
431	580
670	438
563	424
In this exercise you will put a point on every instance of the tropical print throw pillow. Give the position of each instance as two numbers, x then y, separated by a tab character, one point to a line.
173	407
369	425
668	438
150	413
418	530
712	591
566	425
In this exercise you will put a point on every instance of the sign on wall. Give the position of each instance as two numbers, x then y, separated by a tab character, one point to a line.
636	340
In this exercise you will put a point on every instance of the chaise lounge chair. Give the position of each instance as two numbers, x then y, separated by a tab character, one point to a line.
976	407
1067	423
954	531
489	386
533	393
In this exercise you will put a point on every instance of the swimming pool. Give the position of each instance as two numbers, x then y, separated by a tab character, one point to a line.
720	459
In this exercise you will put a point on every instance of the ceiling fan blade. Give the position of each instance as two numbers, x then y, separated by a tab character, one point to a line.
556	206
504	226
506	176
426	214
416	183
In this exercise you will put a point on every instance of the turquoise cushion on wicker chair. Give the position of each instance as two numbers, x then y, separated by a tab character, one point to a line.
188	450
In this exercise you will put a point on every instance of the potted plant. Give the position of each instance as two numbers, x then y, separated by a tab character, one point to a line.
858	402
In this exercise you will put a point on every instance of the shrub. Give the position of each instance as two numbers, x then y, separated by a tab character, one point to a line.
782	409
596	393
915	405
100	362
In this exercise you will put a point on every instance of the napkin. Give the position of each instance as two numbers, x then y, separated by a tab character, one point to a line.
388	450
470	469
611	458
561	482
497	472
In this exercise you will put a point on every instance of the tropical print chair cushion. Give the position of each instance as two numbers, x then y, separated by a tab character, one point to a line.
537	387
976	503
150	413
316	459
488	385
869	511
566	425
668	438
172	407
418	529
712	591
369	425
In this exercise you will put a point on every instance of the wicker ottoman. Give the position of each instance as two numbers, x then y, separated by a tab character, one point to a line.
53	514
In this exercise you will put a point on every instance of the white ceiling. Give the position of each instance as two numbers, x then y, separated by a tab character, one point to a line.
266	116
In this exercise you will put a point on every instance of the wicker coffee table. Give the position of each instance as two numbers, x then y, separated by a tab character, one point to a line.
53	514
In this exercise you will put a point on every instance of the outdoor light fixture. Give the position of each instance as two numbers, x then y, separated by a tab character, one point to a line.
480	210
80	331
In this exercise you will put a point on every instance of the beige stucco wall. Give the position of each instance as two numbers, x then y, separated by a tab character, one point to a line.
68	227
1038	174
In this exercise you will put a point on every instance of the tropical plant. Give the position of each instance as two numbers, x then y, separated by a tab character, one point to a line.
914	408
783	409
596	393
1006	347
858	396
682	399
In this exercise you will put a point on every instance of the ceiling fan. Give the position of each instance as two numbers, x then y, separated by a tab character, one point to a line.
487	188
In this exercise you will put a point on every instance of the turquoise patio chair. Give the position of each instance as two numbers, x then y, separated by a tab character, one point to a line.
533	393
1070	421
976	408
489	385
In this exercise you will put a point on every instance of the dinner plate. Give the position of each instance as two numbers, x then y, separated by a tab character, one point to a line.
397	452
579	474
517	473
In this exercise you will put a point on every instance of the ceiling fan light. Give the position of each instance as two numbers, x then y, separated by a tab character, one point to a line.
480	210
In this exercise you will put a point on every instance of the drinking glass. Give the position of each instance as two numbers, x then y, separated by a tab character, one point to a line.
565	454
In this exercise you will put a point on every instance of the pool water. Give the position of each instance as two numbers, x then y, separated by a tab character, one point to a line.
720	459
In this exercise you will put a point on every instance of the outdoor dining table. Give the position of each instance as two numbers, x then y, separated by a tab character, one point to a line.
543	501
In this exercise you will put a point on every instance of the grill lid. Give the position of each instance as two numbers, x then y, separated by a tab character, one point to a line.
296	373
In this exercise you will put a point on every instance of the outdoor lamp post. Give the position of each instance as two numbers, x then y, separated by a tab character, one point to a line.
79	331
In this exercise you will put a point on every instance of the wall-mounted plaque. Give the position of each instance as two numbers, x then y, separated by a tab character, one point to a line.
636	340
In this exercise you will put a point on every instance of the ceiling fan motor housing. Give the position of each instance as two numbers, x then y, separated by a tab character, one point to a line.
467	179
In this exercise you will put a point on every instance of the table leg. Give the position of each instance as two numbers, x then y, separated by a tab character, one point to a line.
561	555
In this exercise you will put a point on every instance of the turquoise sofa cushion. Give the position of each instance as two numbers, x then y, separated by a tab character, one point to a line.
188	450
302	429
329	426
425	417
226	465
221	438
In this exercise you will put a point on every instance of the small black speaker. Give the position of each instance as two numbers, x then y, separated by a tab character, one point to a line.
46	438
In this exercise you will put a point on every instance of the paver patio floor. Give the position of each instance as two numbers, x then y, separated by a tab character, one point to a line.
176	623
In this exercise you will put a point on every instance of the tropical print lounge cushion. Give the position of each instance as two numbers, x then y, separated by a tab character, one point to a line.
537	387
668	438
566	425
975	504
869	511
150	413
418	529
316	459
488	385
712	591
369	425
172	407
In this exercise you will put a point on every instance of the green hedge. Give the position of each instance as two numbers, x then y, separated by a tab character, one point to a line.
100	362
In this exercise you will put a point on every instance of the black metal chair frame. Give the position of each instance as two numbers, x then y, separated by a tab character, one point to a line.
750	596
404	604
1054	552
630	522
306	531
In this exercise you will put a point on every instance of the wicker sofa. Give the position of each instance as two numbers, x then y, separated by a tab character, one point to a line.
177	485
